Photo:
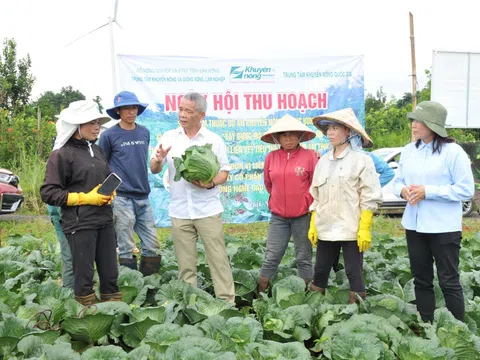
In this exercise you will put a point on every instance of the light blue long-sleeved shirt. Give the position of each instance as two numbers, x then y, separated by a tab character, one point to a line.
448	181
381	167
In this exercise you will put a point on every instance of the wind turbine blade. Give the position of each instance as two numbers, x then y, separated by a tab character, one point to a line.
115	11
120	26
87	34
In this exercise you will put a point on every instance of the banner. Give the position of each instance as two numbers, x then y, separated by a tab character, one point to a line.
245	98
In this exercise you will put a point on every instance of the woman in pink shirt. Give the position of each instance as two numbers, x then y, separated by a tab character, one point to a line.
288	174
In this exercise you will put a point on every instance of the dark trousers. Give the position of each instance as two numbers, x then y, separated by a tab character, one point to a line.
336	262
327	252
444	249
94	246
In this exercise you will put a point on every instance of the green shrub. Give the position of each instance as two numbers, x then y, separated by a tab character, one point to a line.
21	134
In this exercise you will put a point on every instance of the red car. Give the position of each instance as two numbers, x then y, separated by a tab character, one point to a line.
11	197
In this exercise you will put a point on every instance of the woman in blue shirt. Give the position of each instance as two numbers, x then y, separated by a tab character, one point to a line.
434	176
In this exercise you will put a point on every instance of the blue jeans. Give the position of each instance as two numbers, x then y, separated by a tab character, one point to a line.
279	232
67	267
129	216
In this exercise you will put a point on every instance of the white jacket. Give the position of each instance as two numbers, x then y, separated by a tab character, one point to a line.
341	188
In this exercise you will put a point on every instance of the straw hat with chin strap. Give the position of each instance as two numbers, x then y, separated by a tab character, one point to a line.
288	123
345	117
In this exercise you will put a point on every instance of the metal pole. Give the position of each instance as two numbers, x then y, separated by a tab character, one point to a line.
112	50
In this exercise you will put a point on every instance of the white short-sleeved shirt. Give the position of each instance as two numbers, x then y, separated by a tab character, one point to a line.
188	201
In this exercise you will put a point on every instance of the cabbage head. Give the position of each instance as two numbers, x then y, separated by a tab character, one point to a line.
198	163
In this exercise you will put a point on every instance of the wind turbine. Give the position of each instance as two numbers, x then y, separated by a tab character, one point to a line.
112	44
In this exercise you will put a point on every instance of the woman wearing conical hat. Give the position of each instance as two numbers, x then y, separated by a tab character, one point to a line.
288	174
346	192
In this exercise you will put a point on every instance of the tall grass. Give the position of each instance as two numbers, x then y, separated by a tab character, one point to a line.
31	170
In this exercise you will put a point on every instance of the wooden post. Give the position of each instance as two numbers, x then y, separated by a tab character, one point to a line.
414	66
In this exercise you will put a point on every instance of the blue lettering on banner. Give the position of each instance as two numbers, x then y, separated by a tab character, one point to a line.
242	73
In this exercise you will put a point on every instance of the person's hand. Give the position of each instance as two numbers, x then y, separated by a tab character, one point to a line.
364	235
312	231
417	193
202	185
112	197
90	198
406	193
161	153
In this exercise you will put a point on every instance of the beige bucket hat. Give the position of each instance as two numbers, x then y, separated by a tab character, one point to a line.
288	123
345	117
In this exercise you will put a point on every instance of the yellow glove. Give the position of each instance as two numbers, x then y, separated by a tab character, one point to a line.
91	198
364	235
312	231
112	197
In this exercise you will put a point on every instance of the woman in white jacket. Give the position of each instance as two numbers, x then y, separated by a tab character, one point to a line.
346	192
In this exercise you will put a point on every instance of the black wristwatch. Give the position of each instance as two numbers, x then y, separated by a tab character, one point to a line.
213	185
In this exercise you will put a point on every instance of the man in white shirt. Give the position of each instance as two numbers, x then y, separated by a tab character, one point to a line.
195	208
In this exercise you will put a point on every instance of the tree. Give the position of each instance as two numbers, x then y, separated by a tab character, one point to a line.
405	100
52	103
375	103
425	93
16	81
98	100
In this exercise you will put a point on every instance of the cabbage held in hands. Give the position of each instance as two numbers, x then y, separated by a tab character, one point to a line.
198	163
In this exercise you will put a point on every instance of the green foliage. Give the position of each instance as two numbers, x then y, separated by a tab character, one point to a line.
31	170
173	320
22	135
51	103
425	93
98	100
16	81
387	124
373	103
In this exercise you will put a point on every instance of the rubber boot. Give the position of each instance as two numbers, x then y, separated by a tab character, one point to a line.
262	284
129	262
353	297
316	288
150	265
87	300
111	297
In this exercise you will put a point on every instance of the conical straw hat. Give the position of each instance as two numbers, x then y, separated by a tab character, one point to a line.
288	123
345	117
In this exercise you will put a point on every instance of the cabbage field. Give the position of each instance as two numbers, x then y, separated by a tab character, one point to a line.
163	318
